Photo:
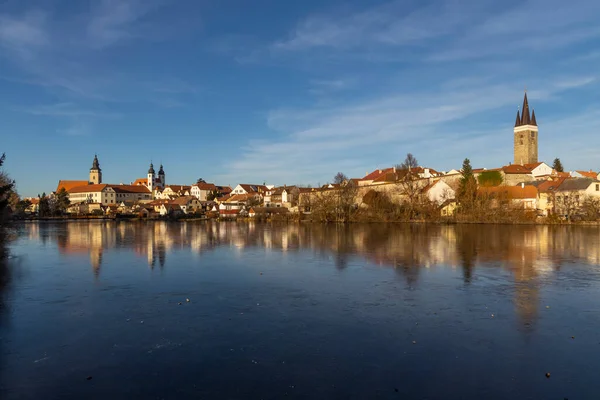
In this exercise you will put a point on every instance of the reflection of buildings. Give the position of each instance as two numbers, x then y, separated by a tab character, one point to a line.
528	252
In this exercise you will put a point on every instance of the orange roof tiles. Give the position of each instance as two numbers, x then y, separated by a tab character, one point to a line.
140	182
588	174
205	186
376	174
68	185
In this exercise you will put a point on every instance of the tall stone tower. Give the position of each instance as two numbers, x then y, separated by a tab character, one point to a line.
526	136
95	172
151	177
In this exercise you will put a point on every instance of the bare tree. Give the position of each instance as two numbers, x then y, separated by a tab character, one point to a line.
409	162
339	178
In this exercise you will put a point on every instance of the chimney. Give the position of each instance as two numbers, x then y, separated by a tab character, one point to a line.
380	171
394	169
522	185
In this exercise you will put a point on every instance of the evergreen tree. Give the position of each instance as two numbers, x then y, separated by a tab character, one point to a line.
62	201
557	165
467	190
6	189
44	206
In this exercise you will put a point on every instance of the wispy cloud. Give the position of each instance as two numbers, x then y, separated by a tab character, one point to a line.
21	35
67	110
65	53
355	137
113	21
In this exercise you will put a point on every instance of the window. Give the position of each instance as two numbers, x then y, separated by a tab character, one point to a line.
597	187
532	135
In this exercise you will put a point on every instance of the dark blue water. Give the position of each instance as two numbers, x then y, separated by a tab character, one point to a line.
99	310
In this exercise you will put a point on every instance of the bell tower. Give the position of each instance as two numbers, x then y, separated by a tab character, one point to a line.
161	177
95	172
151	178
525	136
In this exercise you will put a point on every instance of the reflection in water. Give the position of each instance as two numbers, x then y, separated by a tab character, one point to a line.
385	292
528	252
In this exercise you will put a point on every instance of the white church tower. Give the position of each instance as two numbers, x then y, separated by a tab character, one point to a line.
151	178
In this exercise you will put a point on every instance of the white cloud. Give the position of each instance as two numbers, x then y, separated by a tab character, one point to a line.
316	143
114	21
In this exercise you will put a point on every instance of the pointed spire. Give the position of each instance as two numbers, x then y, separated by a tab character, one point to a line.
525	118
518	121
95	164
533	121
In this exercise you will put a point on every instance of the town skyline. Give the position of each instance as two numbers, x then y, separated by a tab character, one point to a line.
321	88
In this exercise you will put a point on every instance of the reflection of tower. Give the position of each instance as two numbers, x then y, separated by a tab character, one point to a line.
96	260
162	254
95	172
151	255
467	250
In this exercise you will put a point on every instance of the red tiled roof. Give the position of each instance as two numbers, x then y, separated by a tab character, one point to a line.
224	189
88	188
68	185
253	188
205	186
588	174
183	200
117	188
376	174
178	188
129	189
140	181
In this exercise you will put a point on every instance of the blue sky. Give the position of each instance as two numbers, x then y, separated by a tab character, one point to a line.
290	92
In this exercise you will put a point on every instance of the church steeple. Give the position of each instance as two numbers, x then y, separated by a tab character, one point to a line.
525	135
95	163
95	171
525	118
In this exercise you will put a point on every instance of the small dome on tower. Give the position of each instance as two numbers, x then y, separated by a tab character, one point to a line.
151	170
161	171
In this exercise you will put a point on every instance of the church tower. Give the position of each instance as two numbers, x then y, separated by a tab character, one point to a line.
95	172
161	177
151	178
526	136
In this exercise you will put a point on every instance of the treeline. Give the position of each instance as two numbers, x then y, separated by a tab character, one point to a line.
471	203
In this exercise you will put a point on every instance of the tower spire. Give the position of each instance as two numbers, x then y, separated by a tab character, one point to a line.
518	121
525	118
533	121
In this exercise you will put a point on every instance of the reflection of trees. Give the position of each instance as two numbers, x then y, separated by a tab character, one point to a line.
528	252
6	273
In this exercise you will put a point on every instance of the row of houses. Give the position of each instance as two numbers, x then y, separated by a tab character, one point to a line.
533	186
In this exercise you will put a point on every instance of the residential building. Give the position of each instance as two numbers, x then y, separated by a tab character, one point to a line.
108	194
201	190
244	188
